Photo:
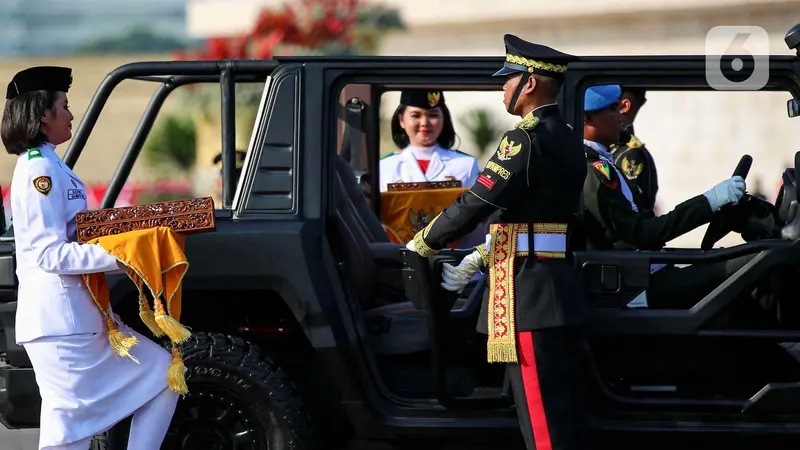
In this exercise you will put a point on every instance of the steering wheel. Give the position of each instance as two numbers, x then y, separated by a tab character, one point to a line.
723	221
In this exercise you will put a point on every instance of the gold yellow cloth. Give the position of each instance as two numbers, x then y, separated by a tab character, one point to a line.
500	260
153	258
404	213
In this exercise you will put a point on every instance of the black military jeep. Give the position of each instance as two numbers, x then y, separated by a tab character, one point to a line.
311	330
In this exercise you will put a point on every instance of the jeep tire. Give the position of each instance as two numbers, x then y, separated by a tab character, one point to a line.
238	399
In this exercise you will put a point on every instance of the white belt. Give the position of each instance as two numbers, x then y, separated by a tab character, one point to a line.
542	242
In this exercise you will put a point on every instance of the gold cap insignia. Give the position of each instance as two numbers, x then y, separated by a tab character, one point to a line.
433	98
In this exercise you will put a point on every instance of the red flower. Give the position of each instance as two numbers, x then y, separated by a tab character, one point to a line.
298	26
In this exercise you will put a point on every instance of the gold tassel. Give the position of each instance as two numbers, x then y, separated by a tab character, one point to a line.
148	317
504	351
173	328
119	342
176	379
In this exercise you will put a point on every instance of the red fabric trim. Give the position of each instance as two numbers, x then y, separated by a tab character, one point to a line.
533	393
486	181
423	164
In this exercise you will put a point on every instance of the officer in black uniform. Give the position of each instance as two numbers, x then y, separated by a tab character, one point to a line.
614	220
529	191
631	155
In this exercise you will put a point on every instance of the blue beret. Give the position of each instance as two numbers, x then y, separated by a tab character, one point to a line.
599	97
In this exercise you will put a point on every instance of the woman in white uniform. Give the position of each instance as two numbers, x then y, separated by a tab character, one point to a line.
85	387
423	129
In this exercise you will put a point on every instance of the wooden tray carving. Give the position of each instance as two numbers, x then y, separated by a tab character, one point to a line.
193	215
417	186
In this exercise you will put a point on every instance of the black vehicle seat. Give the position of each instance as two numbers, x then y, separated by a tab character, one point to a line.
369	222
394	324
401	328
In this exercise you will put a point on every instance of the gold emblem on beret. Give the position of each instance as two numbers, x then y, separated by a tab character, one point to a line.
433	98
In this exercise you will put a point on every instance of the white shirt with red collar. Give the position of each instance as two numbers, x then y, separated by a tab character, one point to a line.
440	164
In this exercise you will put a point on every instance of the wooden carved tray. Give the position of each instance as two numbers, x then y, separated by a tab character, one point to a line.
184	216
421	185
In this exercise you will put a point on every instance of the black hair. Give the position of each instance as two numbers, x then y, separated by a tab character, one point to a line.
634	93
21	127
445	140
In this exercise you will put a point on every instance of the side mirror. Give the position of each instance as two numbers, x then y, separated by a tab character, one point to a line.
792	108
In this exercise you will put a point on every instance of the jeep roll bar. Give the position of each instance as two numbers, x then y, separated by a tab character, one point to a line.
171	75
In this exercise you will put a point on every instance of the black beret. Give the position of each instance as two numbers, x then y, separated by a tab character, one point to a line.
422	98
524	56
42	78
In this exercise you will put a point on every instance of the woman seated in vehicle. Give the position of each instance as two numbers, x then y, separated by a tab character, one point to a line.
423	129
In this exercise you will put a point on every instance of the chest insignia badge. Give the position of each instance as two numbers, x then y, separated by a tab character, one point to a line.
43	184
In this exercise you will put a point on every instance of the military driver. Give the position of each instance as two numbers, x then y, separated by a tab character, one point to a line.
614	220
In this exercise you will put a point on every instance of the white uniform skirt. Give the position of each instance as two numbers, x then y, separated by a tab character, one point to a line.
86	388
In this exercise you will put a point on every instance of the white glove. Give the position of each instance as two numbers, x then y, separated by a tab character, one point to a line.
411	246
454	279
729	191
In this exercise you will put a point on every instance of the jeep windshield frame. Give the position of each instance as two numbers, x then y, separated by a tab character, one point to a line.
171	75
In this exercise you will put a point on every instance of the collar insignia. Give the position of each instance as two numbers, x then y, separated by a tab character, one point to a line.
529	122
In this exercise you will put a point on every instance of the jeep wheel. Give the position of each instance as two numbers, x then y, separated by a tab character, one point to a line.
237	400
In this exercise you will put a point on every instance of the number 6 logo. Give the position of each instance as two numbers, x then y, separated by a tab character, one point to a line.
747	66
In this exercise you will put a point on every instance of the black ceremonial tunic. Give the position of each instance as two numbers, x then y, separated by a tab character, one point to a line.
535	176
638	166
611	222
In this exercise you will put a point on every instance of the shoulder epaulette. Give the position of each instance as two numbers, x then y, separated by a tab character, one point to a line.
34	153
635	142
528	123
391	154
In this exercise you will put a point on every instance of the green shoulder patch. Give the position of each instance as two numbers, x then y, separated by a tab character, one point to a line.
391	154
462	153
34	153
528	123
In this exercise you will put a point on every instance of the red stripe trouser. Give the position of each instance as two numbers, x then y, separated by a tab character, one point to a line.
547	389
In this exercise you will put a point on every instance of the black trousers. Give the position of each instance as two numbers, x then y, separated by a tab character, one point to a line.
548	389
682	288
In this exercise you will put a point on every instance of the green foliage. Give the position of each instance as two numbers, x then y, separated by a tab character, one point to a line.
136	40
172	144
482	128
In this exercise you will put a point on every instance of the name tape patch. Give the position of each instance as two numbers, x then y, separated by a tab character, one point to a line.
498	169
76	194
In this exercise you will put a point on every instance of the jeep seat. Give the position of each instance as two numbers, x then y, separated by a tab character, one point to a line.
395	325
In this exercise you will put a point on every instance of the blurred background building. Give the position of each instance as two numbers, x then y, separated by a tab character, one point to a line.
54	27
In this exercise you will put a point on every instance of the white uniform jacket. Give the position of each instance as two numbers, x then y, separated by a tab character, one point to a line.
445	165
52	300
